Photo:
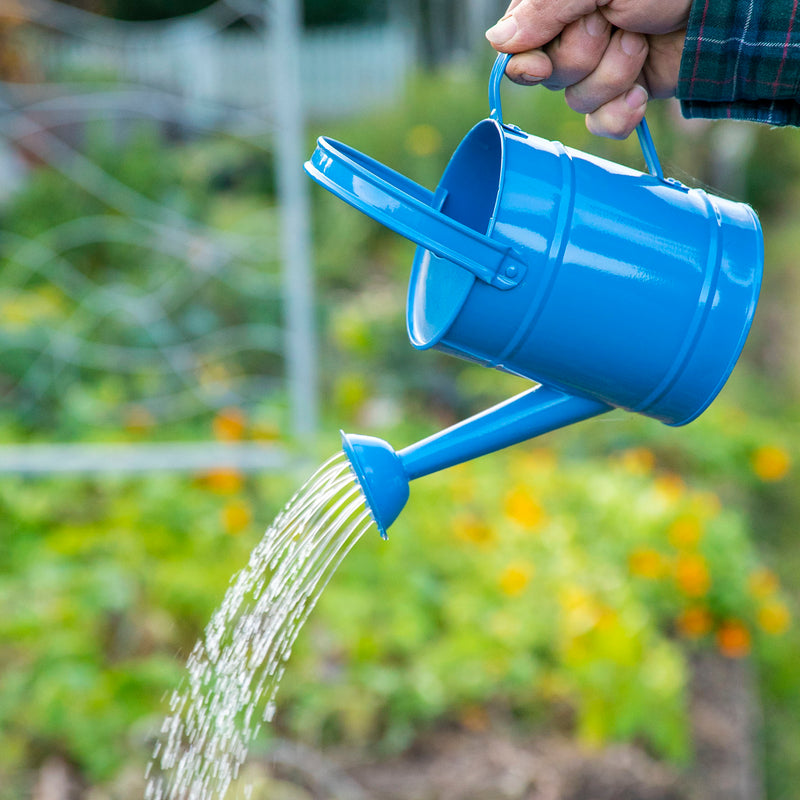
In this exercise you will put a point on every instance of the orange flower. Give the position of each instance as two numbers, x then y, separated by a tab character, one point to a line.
733	639
522	508
685	532
762	583
223	481
692	575
646	563
638	460
229	424
236	517
774	617
515	577
474	718
694	622
771	463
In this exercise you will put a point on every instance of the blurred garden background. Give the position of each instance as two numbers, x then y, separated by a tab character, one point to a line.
185	324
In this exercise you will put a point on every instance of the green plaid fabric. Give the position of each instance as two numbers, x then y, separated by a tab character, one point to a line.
741	60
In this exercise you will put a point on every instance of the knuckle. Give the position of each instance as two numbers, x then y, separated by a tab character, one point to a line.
581	101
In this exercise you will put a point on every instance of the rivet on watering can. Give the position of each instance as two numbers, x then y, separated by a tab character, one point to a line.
511	271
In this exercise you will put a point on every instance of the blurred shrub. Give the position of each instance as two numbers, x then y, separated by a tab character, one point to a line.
150	290
105	586
531	580
535	580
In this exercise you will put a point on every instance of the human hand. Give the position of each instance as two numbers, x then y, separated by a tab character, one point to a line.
609	56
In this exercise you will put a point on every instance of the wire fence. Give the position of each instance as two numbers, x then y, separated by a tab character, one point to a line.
154	252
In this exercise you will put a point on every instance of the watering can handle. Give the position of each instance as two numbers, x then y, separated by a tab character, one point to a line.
412	211
496	113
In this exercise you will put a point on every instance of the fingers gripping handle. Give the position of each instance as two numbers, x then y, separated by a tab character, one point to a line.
496	113
409	209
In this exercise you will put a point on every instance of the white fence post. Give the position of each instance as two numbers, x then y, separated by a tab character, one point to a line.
284	37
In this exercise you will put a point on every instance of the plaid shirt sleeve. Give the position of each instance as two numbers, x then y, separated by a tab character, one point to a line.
741	60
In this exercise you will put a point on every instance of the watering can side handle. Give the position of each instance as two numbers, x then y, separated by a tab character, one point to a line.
496	113
408	209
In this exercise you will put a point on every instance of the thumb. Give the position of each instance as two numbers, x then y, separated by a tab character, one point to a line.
529	24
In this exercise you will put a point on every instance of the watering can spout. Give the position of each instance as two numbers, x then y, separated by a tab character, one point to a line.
381	476
384	474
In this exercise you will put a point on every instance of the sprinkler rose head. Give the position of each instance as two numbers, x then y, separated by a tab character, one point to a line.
380	475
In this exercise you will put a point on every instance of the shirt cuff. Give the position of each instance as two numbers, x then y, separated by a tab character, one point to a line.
742	61
777	112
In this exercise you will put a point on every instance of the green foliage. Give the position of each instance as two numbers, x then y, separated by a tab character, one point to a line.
105	587
533	580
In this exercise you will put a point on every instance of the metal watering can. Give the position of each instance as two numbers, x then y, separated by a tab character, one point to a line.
610	287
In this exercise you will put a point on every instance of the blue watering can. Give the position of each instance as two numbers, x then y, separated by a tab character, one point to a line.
610	287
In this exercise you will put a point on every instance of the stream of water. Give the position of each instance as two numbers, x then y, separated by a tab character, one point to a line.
234	671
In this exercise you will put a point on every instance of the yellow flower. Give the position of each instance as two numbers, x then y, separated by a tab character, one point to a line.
522	508
229	424
692	575
762	583
638	461
646	563
706	504
685	532
771	463
471	528
670	487
214	375
515	577
350	392
694	622
581	609
21	310
236	517
265	431
774	617
423	140
733	639
462	483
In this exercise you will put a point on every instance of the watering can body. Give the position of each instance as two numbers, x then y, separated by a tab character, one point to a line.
636	291
609	286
